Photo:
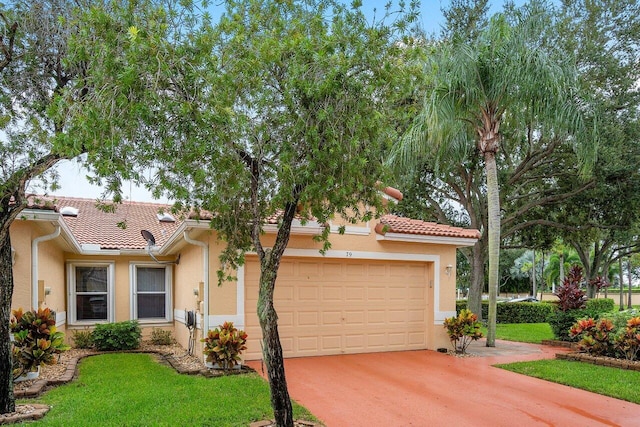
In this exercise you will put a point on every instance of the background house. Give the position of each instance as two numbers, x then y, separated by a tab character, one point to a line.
384	285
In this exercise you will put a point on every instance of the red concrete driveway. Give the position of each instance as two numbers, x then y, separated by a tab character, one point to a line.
426	388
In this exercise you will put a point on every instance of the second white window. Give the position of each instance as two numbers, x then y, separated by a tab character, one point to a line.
151	292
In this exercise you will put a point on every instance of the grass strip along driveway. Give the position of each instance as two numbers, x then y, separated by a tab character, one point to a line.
613	382
135	390
608	381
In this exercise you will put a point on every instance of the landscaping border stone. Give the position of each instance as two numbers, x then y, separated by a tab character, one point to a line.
603	361
559	343
29	412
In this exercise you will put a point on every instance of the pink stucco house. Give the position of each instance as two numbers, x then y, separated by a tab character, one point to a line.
385	285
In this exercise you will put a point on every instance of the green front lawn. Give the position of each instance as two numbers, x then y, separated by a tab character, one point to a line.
135	390
522	332
618	383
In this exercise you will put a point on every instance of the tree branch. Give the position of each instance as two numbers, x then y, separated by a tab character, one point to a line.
545	201
7	47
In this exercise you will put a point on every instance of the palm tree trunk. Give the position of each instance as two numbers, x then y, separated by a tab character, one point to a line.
493	208
474	302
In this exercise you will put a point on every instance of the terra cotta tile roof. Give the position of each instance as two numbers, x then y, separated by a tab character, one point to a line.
396	224
93	226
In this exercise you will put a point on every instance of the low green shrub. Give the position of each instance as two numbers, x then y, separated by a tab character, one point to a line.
82	338
117	336
620	318
524	312
596	306
516	312
562	321
161	337
462	330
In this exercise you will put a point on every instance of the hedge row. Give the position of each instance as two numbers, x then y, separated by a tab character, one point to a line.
561	321
538	312
516	312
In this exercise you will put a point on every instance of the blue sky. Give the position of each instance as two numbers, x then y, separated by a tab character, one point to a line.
72	175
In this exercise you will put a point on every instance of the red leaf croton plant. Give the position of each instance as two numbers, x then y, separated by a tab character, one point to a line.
224	345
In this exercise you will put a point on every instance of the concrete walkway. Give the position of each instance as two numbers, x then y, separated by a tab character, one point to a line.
426	388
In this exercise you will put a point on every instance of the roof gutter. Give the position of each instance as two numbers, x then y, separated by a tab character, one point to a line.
177	235
205	297
34	263
458	242
56	218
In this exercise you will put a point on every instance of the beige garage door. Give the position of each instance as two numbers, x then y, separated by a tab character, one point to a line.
328	306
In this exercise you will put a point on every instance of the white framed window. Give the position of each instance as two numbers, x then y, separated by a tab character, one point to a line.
151	286
91	292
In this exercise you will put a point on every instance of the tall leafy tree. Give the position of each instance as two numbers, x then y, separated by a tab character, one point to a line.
44	95
33	72
505	77
465	19
603	224
282	109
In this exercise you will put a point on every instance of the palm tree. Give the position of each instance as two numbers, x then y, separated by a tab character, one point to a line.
507	76
561	259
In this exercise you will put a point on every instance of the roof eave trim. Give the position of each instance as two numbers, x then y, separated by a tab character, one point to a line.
178	235
420	238
52	216
110	252
311	228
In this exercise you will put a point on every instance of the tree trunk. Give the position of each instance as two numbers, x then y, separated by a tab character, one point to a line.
7	399
474	302
533	275
561	278
272	349
493	208
629	306
621	284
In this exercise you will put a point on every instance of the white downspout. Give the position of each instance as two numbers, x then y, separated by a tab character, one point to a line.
205	297
34	264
